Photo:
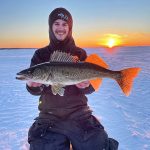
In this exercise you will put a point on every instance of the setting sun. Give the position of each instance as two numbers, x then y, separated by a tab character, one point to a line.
111	40
111	43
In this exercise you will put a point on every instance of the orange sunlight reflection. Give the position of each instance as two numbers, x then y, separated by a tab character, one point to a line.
112	50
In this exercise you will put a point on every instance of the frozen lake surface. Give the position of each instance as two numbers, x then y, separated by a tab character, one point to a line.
126	119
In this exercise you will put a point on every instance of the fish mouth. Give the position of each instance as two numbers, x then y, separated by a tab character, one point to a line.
21	77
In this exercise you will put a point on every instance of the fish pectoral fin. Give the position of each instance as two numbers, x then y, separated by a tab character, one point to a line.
95	59
96	83
58	89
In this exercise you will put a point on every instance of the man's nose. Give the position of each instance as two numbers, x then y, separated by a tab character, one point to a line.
61	27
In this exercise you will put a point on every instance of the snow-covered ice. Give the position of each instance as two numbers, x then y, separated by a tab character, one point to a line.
126	119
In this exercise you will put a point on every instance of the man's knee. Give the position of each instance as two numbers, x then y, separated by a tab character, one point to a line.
41	138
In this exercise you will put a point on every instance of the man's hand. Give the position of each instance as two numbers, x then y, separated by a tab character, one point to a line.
83	84
33	84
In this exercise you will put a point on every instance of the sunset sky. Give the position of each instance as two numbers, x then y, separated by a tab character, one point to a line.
24	23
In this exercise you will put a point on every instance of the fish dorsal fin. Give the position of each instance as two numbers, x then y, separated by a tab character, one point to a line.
95	59
59	56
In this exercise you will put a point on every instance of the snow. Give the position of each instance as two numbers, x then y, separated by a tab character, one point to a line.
126	119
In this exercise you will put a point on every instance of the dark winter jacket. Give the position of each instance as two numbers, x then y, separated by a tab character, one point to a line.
74	98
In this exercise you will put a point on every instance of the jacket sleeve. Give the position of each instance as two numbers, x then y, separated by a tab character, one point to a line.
36	59
89	89
35	90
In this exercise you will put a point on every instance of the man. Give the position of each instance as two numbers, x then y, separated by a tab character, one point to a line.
64	119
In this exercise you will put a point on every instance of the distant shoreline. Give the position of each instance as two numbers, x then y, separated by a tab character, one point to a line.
83	47
15	48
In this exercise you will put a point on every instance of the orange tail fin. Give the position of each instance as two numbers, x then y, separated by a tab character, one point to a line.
95	59
127	77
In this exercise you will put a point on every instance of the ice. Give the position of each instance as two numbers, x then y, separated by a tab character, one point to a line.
126	119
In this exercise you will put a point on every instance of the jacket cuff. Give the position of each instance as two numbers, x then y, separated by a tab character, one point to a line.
87	90
35	90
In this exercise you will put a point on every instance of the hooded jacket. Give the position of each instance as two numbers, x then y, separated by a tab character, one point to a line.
74	100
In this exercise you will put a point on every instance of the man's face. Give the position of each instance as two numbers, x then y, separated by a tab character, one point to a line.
60	29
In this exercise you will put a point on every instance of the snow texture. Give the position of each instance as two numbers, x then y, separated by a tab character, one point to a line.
126	119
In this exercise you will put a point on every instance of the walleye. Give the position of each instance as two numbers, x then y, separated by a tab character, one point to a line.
64	69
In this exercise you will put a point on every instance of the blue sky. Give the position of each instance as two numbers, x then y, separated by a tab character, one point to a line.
21	19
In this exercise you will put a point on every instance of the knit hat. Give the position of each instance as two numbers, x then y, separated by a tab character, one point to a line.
60	13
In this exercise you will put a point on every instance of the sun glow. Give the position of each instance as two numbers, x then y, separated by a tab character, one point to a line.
111	43
111	40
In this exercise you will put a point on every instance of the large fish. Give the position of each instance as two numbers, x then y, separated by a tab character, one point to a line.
64	69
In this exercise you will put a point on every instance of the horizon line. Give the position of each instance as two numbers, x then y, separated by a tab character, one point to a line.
1	48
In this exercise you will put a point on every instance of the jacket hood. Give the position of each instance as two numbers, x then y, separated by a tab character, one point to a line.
60	13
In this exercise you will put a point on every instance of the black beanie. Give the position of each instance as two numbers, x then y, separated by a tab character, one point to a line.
60	13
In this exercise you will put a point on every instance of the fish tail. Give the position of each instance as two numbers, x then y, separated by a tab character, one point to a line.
126	80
